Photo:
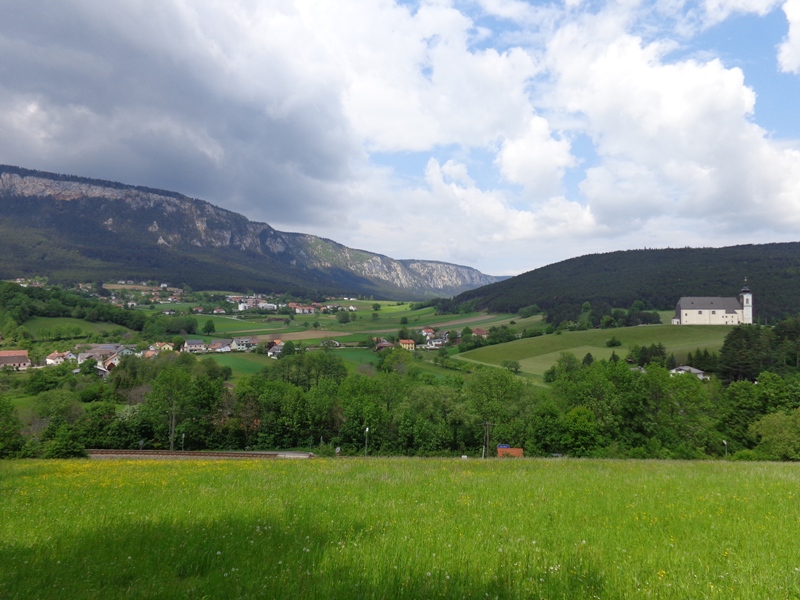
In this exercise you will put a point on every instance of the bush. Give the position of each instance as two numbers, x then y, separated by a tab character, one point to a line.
31	449
65	444
613	342
747	455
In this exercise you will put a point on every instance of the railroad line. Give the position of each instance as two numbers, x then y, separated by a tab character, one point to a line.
181	454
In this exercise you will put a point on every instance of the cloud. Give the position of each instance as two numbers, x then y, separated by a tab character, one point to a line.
718	10
535	159
789	50
674	138
498	133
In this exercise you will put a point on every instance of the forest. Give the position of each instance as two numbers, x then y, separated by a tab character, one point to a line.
658	278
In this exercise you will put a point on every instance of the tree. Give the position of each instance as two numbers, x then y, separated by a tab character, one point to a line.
511	365
376	307
289	349
209	327
169	398
88	367
343	317
11	439
747	351
779	435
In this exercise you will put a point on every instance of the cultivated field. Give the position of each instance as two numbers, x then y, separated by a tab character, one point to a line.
399	528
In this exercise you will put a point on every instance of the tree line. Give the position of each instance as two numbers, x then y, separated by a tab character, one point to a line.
309	400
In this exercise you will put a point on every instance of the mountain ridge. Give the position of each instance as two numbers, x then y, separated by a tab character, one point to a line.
87	217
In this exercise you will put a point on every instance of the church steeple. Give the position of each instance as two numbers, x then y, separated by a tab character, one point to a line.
746	300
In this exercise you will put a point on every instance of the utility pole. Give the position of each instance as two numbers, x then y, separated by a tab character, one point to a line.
486	426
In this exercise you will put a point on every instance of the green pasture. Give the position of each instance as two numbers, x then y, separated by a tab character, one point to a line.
36	325
24	405
538	354
241	363
399	528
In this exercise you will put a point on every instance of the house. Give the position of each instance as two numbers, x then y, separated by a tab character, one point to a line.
220	346
198	309
194	346
162	347
111	362
382	344
169	312
243	344
17	360
704	310
428	332
100	352
434	343
482	333
701	375
219	311
408	345
56	358
275	350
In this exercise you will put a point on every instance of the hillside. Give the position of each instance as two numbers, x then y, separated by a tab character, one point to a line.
657	277
72	228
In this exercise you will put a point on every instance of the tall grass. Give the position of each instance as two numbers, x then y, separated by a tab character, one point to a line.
399	528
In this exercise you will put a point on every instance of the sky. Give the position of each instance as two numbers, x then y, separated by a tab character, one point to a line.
499	134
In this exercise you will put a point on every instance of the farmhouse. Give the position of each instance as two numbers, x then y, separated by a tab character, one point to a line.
704	310
14	359
194	346
408	344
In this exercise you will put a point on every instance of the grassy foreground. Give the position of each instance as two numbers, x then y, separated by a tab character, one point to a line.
399	528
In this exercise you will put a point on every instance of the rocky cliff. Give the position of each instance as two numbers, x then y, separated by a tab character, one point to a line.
80	216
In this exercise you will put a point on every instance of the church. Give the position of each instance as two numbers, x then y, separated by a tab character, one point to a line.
705	310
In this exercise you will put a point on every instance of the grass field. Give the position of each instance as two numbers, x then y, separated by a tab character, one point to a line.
36	324
399	528
536	355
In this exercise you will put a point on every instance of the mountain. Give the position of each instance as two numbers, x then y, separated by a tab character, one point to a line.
656	277
70	228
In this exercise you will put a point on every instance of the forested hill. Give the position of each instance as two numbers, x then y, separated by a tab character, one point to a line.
657	277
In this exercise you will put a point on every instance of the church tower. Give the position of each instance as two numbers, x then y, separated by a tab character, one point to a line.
746	300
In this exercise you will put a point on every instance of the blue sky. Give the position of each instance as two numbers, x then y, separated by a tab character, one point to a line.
499	134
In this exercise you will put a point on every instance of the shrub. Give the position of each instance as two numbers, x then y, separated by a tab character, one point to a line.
65	444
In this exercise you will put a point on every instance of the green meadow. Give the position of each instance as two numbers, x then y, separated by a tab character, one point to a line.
39	325
399	528
536	355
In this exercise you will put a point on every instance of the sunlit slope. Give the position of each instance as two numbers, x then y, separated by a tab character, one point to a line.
536	355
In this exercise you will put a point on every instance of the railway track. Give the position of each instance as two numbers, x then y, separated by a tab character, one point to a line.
181	455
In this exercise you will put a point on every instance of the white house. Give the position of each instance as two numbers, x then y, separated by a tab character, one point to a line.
705	310
701	375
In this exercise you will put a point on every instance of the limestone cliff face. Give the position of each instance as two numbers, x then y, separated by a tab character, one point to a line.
167	219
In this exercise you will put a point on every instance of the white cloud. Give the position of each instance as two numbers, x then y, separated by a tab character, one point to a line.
326	117
719	10
674	138
789	50
535	159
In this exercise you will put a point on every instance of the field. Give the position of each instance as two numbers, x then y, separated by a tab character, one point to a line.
36	325
536	355
399	528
